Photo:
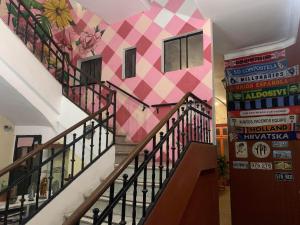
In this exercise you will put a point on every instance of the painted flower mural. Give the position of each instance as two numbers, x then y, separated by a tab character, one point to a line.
88	41
58	13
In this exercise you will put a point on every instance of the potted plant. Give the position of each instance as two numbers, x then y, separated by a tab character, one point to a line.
222	169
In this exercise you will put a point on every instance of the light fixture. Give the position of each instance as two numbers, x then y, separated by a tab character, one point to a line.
7	128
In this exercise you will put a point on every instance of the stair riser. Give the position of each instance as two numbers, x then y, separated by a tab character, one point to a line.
121	139
124	148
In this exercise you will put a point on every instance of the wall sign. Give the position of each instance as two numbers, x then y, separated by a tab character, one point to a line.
240	165
284	176
261	150
265	93
280	154
258	68
263	84
283	165
261	166
266	112
241	150
268	136
259	58
269	128
286	73
280	144
262	121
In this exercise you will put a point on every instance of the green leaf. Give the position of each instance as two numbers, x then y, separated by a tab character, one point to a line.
77	42
46	26
11	9
27	3
36	5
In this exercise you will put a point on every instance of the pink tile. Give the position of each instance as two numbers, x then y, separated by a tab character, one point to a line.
175	25
153	31
174	5
133	37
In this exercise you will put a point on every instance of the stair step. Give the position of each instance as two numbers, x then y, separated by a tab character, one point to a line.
88	220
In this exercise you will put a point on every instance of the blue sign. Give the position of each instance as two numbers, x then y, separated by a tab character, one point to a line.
269	136
258	68
279	154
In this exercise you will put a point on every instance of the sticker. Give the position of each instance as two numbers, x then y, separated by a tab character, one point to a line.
263	84
280	144
240	165
269	128
265	112
233	137
286	73
241	150
265	93
283	165
261	166
262	121
279	154
258	68
284	176
261	150
269	136
258	58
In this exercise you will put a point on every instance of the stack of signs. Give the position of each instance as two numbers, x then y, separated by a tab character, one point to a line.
263	94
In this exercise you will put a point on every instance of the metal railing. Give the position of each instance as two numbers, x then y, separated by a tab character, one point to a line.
154	161
39	176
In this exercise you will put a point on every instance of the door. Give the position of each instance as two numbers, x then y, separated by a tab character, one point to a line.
91	67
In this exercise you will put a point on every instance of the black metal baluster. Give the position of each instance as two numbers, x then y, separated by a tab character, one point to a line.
73	156
168	149
83	146
38	181
145	190
136	165
86	94
100	134
92	140
42	53
173	143
178	133
153	170
63	162
93	98
123	213
34	39
208	128
187	124
18	17
51	173
111	198
96	212
195	126
26	32
198	123
161	160
9	5
115	115
80	86
182	131
201	126
107	127
22	200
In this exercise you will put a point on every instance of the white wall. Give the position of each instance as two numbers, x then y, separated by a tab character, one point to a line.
27	75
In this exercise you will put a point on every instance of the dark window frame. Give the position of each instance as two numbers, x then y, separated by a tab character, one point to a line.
84	60
180	38
129	73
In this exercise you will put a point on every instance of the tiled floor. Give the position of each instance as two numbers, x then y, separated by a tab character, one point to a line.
224	206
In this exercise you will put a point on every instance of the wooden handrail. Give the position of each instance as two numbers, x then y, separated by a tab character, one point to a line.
131	96
39	148
99	191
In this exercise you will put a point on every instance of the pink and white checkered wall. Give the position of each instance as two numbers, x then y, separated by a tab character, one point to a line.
145	31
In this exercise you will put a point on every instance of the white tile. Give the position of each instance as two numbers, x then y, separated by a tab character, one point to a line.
163	18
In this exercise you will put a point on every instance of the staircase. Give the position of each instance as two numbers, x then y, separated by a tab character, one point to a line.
66	164
131	191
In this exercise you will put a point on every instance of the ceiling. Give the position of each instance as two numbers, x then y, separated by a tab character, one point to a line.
17	109
113	11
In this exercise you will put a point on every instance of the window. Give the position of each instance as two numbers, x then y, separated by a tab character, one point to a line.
183	52
91	67
130	63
